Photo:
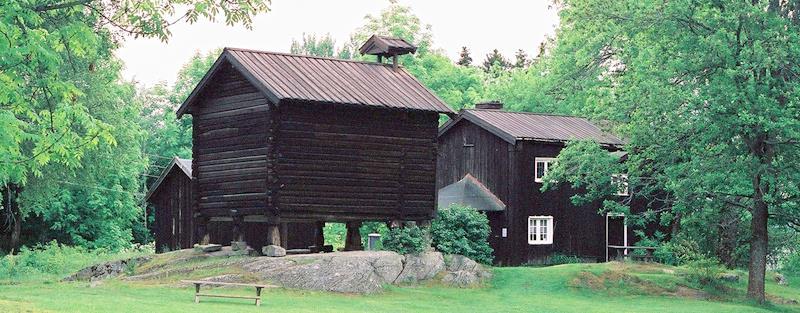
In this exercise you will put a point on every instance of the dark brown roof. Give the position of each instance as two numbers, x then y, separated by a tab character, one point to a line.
386	46
285	77
513	126
185	166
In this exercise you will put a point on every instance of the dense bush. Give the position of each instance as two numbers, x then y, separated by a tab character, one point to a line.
557	259
464	231
704	271
54	261
408	239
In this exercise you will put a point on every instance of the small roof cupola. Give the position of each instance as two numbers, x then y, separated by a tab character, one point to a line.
490	105
383	46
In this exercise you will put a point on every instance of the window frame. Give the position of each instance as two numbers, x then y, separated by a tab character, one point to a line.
547	162
535	229
615	183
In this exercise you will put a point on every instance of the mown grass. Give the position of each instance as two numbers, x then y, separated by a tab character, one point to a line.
615	288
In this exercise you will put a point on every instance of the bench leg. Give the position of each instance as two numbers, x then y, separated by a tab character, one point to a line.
258	294
196	292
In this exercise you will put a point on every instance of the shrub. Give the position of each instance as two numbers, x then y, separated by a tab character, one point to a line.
405	240
557	259
791	265
464	231
704	271
54	261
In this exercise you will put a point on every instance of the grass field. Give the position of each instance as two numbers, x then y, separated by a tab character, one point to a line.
566	288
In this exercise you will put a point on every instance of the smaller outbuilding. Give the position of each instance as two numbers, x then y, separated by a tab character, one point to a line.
170	197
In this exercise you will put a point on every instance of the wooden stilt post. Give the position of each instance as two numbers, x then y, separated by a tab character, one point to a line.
353	239
273	234
202	230
285	235
319	236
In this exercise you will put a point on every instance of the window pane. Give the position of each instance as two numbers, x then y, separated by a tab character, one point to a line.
540	169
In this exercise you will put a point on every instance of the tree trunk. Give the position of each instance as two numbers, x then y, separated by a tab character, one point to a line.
12	204
758	243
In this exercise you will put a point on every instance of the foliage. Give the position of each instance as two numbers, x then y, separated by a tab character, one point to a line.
706	98
322	47
409	239
373	228
557	259
704	271
464	58
53	261
335	234
494	61
462	230
521	59
791	264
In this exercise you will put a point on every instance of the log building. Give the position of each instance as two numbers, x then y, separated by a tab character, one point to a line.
282	138
494	160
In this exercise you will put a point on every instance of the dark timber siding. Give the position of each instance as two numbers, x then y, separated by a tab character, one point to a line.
340	163
508	171
467	148
230	146
173	210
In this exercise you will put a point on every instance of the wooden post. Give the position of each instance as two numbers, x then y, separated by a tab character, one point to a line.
273	234
196	293
319	236
285	235
353	239
202	230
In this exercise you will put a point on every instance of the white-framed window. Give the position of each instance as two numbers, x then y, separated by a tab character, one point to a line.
620	184
540	167
540	230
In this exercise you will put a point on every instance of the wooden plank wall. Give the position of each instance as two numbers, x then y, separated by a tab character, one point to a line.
467	148
230	147
338	163
174	224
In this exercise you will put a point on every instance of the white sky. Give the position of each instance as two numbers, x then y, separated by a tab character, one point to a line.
507	25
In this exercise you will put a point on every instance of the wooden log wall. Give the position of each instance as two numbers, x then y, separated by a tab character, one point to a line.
339	163
174	228
230	147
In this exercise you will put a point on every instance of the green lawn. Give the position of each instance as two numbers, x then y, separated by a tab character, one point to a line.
546	289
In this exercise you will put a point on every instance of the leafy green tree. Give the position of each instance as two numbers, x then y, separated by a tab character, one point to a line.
521	59
705	92
322	47
396	21
464	58
46	117
494	61
464	231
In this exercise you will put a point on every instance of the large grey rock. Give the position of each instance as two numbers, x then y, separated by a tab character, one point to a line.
107	269
238	245
207	248
348	272
464	272
273	251
419	267
729	277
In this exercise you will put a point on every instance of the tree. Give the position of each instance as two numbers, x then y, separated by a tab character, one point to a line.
324	47
705	94
46	118
464	58
494	61
522	60
396	21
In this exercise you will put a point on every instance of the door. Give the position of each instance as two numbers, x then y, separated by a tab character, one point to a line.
616	236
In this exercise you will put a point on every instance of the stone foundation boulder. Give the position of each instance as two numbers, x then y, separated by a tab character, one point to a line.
423	266
106	270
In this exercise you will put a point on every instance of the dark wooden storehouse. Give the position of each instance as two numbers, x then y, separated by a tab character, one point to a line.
171	196
494	160
282	138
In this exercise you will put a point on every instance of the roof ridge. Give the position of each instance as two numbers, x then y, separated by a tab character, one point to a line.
306	56
529	113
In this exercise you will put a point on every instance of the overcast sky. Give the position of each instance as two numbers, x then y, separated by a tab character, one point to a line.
503	24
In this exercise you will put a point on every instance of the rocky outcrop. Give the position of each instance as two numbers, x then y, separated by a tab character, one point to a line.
347	272
106	270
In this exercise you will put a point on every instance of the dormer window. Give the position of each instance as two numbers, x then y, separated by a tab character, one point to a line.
620	184
540	168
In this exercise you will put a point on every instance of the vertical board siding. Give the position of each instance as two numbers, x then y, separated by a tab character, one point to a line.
230	127
355	163
174	228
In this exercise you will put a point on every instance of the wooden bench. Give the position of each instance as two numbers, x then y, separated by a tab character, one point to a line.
198	283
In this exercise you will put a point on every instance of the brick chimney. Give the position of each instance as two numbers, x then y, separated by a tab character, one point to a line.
490	105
